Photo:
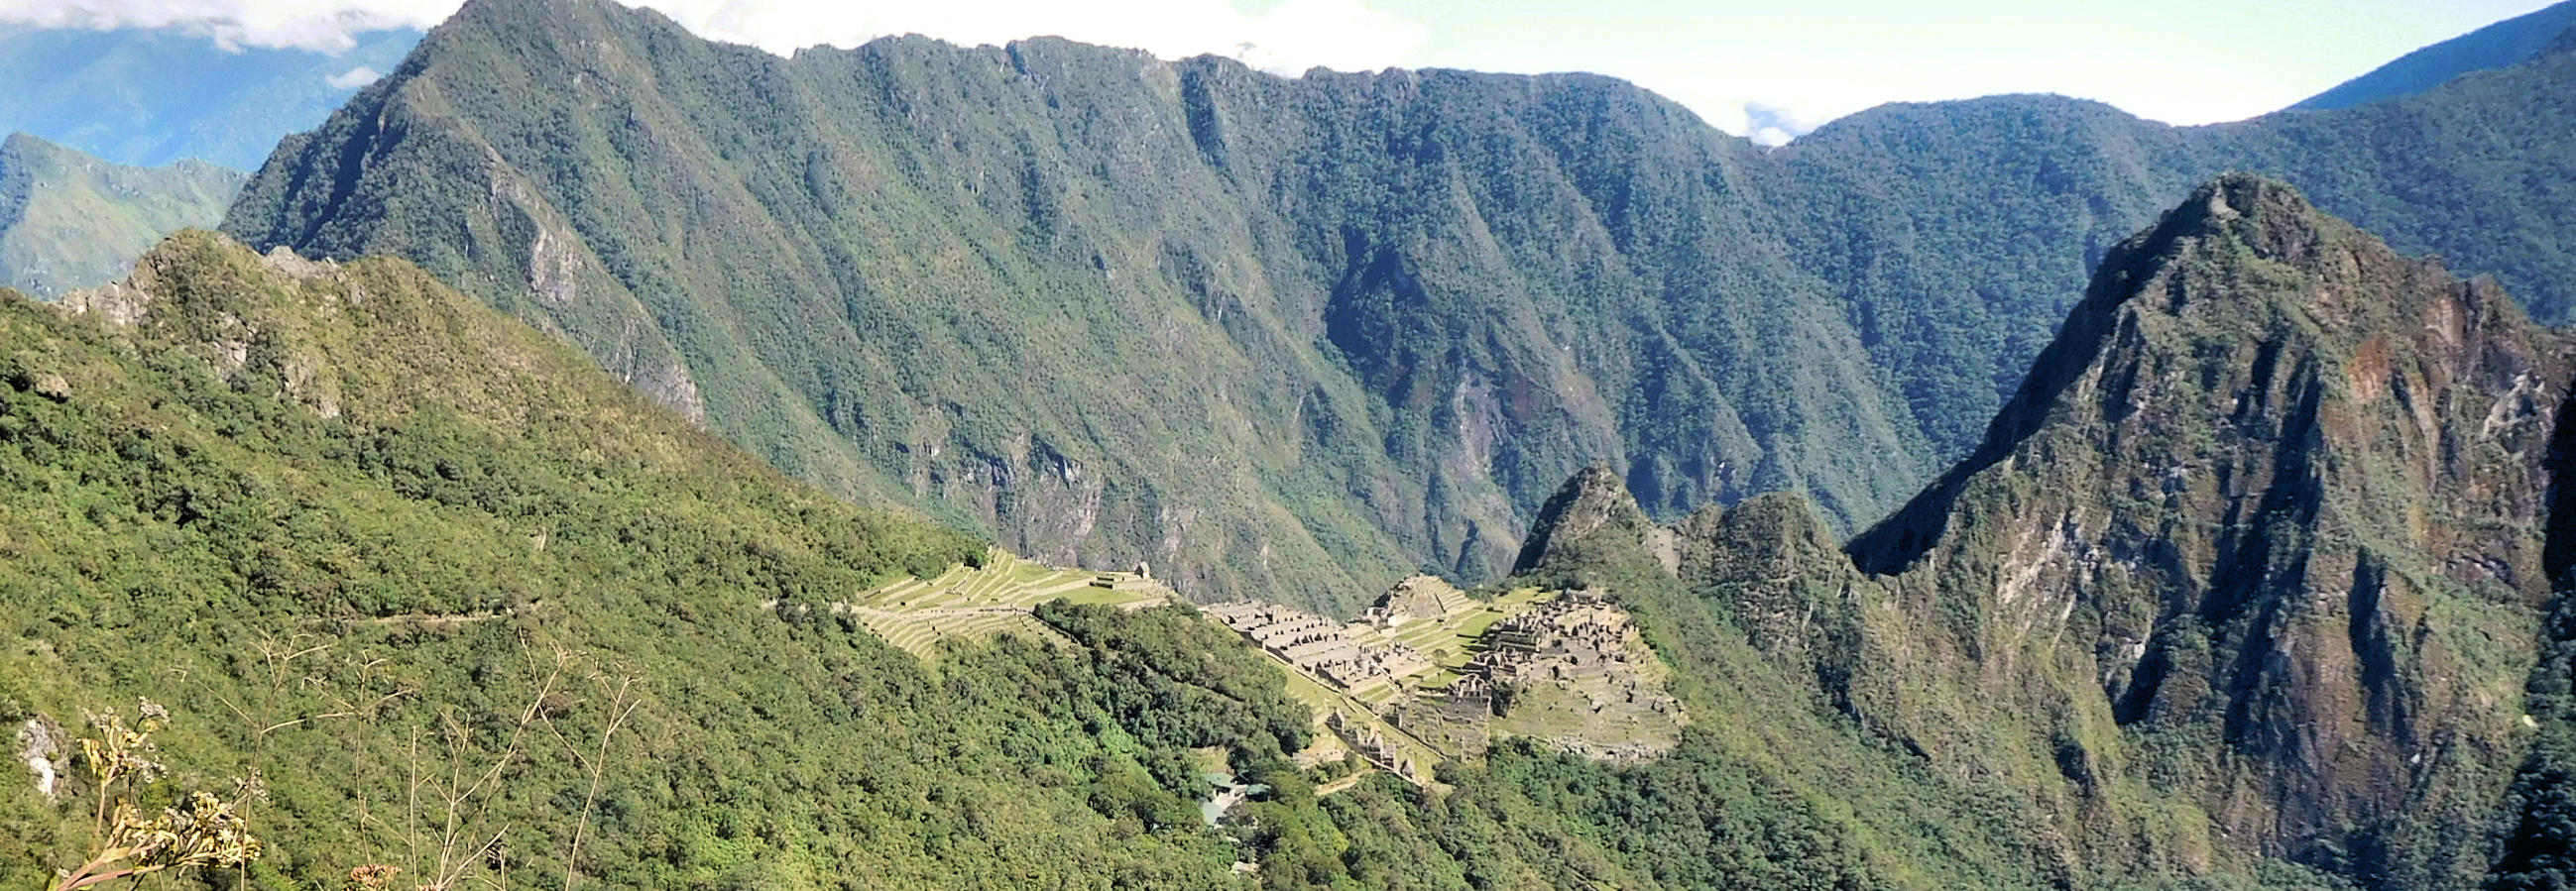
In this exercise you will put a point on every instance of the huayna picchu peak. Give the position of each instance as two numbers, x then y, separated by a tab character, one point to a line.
2262	532
2252	565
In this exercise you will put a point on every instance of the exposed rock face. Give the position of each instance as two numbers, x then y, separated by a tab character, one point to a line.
2261	535
40	748
2276	488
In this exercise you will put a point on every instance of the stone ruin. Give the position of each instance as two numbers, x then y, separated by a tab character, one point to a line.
1319	645
1418	598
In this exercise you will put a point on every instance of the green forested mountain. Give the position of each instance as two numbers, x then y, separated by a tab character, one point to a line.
1302	335
2254	563
2499	45
367	540
1272	335
68	220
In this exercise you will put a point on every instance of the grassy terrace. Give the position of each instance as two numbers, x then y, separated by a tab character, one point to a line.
1453	640
975	603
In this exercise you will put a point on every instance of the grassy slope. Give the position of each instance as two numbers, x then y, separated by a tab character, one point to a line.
428	501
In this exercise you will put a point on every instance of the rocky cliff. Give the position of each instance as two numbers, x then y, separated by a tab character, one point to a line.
2253	564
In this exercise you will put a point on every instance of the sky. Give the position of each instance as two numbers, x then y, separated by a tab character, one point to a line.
1764	68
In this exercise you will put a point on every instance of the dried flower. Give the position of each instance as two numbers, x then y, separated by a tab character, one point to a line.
373	877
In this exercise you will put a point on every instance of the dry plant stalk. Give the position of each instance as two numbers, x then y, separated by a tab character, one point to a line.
203	830
447	817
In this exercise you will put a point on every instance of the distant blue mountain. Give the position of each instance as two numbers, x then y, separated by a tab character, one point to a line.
2499	45
149	97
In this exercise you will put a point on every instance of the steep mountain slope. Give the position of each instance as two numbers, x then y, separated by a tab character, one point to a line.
356	531
152	97
1303	335
2253	566
68	220
1269	334
362	536
2261	531
2499	45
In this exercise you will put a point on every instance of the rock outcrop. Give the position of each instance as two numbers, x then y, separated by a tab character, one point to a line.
2262	539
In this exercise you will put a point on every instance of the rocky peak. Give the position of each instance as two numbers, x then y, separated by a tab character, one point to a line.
1773	535
2242	295
2266	484
1590	525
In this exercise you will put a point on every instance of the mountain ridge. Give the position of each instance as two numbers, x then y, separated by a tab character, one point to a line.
69	220
2541	32
1419	298
1344	313
2258	559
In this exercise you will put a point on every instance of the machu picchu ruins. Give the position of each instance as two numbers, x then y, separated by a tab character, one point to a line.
1431	672
1427	674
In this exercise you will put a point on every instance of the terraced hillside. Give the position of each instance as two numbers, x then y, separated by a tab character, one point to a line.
998	596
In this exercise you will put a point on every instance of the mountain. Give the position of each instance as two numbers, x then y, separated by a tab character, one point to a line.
1306	335
2499	45
362	540
68	220
2262	563
1270	335
151	97
2258	549
351	530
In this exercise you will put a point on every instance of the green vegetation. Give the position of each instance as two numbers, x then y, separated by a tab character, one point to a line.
2538	851
1305	335
2201	556
1057	292
465	607
360	533
2249	564
68	220
997	596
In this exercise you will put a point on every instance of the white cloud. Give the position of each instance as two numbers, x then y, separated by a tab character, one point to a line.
353	78
1775	125
308	24
1288	37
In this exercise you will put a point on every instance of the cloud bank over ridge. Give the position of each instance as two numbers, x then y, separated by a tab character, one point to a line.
1286	38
